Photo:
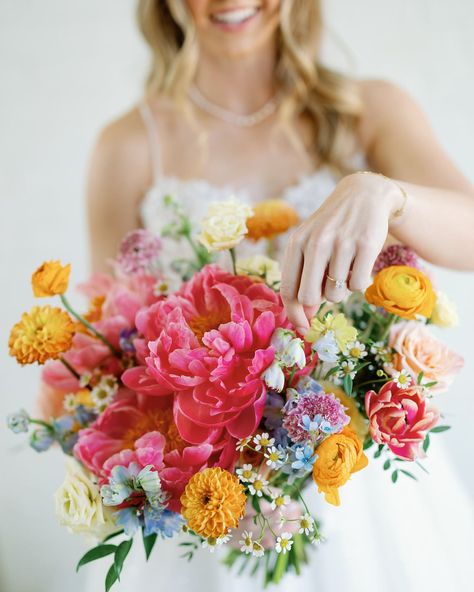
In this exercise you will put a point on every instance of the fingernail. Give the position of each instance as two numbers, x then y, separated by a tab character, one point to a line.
302	330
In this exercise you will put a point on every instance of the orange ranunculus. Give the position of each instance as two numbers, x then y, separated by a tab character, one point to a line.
402	290
43	334
213	501
50	279
339	456
271	218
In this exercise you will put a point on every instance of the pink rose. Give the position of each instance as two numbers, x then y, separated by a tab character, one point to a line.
418	350
400	418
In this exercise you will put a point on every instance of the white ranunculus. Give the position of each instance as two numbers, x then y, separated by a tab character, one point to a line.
444	312
224	226
262	267
274	377
79	504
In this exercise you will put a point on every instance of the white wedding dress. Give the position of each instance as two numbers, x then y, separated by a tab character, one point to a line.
404	537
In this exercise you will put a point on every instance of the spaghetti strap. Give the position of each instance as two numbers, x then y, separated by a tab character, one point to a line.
153	141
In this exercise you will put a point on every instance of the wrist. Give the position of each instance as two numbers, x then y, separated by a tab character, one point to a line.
394	194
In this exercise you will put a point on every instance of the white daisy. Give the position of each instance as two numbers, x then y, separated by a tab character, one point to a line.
402	378
347	368
257	549
69	402
210	544
85	379
355	349
242	444
246	542
284	543
275	458
279	501
263	441
246	473
257	485
306	524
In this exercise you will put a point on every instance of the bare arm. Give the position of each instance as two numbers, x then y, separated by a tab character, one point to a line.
119	175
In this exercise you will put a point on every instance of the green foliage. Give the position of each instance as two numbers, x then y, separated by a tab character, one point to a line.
148	543
96	553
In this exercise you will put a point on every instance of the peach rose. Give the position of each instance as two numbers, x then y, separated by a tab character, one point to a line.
418	350
402	290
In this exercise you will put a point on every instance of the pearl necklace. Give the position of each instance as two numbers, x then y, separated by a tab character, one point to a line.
238	120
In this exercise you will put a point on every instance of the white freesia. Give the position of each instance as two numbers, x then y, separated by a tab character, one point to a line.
444	313
224	226
79	505
274	377
262	267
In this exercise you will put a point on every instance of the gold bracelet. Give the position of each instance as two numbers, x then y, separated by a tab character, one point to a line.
401	210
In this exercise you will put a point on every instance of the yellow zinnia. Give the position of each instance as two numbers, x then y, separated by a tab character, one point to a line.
271	218
338	324
43	334
402	290
50	279
339	456
213	501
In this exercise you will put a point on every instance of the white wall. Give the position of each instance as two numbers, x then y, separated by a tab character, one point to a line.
66	68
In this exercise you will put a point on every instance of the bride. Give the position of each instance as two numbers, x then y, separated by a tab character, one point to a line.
238	103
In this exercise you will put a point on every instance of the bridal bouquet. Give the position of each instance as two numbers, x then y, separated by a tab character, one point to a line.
200	412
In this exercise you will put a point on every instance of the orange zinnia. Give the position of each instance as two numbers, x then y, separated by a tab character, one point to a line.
271	218
213	501
50	279
43	334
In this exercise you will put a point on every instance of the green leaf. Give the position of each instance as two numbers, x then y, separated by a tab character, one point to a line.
386	465
148	543
430	384
408	474
111	536
347	384
426	443
280	567
96	553
111	577
394	476
368	443
379	451
439	429
419	378
256	504
120	555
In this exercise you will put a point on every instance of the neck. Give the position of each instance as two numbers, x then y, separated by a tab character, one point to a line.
239	85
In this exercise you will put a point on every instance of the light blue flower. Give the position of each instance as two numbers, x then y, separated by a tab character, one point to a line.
128	520
308	386
316	425
169	524
305	457
120	485
42	439
327	348
18	422
149	481
151	517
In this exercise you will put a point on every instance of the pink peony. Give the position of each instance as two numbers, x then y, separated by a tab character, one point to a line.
418	350
400	418
210	343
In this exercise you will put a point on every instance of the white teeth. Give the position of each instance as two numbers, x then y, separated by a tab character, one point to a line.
233	17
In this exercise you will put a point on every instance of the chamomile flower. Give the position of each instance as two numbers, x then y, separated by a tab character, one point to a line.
223	539
246	473
275	457
306	524
104	392
246	542
257	549
210	544
347	369
257	485
70	403
263	441
402	378
355	349
279	501
242	444
284	543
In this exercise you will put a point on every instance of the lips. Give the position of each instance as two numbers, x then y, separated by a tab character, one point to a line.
236	16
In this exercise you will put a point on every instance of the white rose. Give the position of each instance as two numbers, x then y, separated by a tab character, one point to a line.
224	226
444	312
260	266
79	504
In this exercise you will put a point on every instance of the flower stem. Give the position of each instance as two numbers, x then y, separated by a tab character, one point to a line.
390	322
234	263
89	327
42	423
72	370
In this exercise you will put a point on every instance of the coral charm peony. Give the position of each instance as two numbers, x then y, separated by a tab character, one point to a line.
210	343
213	501
400	418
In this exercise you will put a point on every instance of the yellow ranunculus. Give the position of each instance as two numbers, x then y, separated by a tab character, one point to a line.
262	267
224	226
79	504
444	312
271	218
339	455
402	290
50	279
338	324
358	422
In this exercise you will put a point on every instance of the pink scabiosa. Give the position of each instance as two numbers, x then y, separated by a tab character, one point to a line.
210	343
139	252
400	417
396	255
315	416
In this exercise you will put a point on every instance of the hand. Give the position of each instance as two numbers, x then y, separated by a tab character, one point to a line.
340	240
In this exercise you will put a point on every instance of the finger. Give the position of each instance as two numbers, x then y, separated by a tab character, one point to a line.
339	267
290	280
316	258
362	268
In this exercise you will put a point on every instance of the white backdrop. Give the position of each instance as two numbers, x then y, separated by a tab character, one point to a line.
68	67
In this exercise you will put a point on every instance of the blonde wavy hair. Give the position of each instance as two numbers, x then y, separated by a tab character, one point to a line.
329	100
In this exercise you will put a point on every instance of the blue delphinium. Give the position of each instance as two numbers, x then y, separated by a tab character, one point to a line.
65	432
42	439
129	520
305	457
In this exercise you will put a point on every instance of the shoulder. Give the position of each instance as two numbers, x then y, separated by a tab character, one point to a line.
385	105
